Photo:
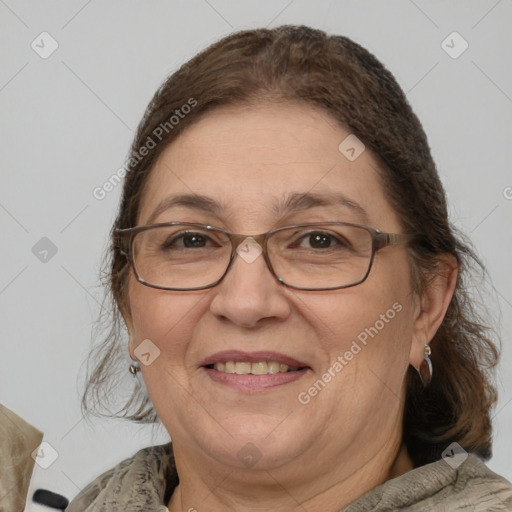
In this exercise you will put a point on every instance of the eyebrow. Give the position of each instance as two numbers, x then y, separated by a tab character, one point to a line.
303	201
193	201
293	203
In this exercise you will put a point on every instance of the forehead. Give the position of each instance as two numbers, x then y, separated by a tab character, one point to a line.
250	158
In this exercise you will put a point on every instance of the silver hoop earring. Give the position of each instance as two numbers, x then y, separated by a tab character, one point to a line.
426	370
134	368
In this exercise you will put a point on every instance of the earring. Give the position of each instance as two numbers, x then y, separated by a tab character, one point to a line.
426	370
134	368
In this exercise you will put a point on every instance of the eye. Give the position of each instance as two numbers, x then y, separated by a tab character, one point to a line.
321	240
187	240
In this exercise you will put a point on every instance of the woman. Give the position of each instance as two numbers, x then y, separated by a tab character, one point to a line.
294	295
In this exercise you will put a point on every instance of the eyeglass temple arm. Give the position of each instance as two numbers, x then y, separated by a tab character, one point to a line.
122	241
385	239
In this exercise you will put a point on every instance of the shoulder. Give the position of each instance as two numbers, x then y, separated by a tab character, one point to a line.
478	488
464	485
139	481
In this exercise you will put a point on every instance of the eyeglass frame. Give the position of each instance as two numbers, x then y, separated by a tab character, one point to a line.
380	240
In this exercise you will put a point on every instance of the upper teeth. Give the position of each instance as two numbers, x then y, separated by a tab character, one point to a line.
259	368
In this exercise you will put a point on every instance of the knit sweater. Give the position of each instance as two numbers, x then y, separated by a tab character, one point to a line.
146	481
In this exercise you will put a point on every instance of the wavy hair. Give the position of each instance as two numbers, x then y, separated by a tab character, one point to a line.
305	65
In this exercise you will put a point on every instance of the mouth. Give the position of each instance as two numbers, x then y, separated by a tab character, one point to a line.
253	371
258	368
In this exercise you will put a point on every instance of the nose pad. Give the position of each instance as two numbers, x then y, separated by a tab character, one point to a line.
249	250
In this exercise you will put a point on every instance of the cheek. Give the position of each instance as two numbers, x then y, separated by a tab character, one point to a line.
166	318
367	322
368	326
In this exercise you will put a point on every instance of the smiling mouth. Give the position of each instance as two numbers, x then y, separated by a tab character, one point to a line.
257	368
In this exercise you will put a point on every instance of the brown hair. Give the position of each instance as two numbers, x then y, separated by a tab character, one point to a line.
302	64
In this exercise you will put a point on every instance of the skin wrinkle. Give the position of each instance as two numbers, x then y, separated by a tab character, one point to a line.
292	203
325	454
350	84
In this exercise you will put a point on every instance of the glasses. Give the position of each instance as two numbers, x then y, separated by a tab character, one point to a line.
187	256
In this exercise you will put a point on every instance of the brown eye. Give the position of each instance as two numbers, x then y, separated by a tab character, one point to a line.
194	240
320	240
187	240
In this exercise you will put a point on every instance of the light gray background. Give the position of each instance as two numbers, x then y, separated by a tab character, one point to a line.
68	120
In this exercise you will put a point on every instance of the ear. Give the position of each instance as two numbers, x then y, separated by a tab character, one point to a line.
126	313
127	317
132	339
131	348
432	305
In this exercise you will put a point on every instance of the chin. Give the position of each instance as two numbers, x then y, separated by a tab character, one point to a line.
253	442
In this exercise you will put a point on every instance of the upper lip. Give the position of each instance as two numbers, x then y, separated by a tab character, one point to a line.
251	357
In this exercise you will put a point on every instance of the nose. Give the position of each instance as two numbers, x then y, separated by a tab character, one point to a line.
249	293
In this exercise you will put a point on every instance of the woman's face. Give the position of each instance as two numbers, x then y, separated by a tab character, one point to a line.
355	342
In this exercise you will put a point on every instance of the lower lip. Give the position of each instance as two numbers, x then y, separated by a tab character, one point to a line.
251	382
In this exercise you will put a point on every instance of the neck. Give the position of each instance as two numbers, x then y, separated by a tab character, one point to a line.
229	489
